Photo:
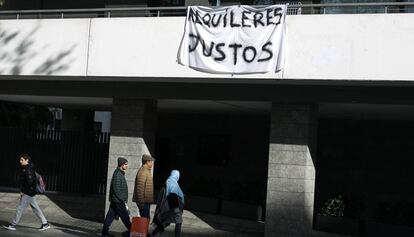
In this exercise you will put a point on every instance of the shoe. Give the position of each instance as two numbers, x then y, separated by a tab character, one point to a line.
44	227
9	227
107	235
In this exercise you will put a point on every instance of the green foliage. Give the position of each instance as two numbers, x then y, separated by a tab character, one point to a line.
334	207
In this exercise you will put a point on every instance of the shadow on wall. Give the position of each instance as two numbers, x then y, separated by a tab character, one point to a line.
369	163
17	51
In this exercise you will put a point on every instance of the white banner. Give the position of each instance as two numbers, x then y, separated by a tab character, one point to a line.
234	39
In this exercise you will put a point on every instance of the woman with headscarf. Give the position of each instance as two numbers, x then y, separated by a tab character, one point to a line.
170	206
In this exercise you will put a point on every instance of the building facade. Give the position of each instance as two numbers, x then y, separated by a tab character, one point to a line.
335	120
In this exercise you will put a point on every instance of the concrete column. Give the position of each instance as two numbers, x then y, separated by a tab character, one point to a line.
291	171
133	127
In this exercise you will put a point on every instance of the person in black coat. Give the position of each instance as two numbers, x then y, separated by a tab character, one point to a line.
118	197
28	191
170	207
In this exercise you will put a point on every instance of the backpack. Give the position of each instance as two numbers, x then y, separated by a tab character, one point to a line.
40	184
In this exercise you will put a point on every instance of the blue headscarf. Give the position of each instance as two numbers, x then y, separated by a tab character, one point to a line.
172	184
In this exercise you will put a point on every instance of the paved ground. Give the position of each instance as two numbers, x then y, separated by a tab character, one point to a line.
66	221
72	216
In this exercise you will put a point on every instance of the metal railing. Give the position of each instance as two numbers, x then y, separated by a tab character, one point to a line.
69	161
331	8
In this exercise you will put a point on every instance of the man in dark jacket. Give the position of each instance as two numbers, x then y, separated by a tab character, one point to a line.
28	191
118	197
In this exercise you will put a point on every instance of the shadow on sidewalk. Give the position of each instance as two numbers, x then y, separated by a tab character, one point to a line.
235	226
91	208
87	207
75	231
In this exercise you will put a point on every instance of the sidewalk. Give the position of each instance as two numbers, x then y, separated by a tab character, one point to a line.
71	216
79	216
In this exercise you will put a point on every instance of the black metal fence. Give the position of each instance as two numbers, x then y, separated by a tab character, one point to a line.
294	8
69	161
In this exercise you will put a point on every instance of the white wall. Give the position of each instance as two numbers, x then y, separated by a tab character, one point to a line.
44	47
367	47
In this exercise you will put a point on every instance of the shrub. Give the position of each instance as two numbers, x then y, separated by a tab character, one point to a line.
334	207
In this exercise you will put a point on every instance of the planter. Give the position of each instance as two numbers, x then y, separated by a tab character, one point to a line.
340	225
385	230
202	204
241	210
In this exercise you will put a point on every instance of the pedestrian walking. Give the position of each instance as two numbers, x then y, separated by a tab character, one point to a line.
28	191
118	197
144	187
170	206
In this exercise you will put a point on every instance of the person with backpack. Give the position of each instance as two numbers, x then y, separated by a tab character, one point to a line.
28	191
170	206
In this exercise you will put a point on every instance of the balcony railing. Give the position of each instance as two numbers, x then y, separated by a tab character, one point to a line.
293	9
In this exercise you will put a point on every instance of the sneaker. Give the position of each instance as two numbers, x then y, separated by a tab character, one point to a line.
9	227
44	227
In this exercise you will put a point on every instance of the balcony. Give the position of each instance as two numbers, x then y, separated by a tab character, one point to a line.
294	8
122	44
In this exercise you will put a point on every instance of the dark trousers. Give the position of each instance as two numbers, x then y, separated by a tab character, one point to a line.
145	210
116	209
177	231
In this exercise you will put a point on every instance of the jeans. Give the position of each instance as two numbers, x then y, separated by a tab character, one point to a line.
25	200
116	209
145	210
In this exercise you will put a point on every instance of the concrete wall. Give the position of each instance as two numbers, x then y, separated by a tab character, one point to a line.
44	47
291	172
132	135
363	47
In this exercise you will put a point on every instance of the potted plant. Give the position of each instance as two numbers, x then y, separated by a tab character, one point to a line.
332	218
392	218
